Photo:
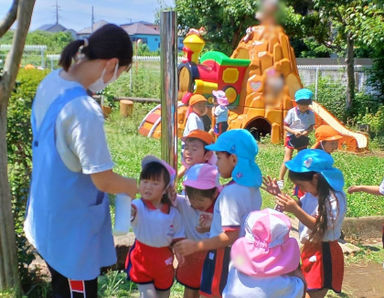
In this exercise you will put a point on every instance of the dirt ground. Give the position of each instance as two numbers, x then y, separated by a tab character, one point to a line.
364	280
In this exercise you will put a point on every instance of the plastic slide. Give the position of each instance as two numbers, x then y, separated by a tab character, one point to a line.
353	140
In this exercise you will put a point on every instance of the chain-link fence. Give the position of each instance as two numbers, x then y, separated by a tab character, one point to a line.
143	79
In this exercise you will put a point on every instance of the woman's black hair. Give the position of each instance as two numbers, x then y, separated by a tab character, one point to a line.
156	171
206	193
109	41
323	190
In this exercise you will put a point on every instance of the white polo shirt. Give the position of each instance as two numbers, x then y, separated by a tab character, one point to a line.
240	285
155	227
190	218
381	187
299	121
232	207
336	206
193	122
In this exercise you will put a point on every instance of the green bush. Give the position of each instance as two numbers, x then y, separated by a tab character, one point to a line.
331	94
19	139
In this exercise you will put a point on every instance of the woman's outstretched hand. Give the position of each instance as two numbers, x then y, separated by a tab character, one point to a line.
270	186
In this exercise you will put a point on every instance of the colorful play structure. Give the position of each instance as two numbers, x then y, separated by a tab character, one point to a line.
264	51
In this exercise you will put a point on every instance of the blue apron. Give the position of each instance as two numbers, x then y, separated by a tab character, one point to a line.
68	219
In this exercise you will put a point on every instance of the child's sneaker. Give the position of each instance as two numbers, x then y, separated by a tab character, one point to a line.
280	184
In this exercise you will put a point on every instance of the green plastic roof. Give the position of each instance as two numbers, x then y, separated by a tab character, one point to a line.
224	60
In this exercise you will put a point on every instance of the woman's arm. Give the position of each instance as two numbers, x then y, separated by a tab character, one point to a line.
110	182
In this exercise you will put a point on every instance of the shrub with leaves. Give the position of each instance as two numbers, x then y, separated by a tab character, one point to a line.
19	139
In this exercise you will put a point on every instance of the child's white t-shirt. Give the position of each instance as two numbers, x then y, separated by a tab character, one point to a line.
299	121
221	112
336	209
156	228
190	218
193	122
232	207
240	285
80	136
381	187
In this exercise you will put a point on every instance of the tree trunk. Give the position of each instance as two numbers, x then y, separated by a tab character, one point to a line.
8	255
350	72
8	258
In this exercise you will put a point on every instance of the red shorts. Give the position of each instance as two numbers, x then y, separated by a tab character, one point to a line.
189	272
215	272
146	264
323	266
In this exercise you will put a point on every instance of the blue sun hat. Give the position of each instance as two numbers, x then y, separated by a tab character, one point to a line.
241	143
303	95
315	160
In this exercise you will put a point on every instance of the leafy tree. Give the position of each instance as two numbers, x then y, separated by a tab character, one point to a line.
22	11
224	20
55	42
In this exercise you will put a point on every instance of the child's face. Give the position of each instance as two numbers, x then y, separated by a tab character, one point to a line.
200	203
330	146
151	189
200	108
302	108
194	152
308	186
225	164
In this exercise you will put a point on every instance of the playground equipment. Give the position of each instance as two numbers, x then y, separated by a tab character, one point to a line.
264	54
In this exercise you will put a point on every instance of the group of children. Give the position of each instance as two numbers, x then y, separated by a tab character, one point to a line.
224	244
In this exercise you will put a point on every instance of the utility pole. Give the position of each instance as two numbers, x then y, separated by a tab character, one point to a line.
57	12
92	19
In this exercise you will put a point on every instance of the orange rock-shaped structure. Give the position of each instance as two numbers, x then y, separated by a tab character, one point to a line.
268	48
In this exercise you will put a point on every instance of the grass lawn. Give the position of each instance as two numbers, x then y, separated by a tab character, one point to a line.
128	148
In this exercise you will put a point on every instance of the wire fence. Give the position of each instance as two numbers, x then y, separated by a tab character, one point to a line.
143	79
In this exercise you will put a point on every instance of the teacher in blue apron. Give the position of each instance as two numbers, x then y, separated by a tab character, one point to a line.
68	219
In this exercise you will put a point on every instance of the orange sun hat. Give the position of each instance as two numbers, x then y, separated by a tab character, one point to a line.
195	98
201	135
326	133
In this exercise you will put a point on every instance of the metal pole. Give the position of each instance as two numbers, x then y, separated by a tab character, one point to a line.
168	39
316	81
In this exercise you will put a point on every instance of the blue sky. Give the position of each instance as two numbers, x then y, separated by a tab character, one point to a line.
76	14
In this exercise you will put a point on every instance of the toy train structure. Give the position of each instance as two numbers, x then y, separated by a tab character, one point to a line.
263	51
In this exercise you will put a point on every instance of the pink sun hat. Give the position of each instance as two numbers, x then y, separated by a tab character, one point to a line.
202	176
221	97
171	171
266	250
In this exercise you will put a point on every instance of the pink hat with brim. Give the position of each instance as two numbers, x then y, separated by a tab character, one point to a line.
266	250
202	176
221	97
150	158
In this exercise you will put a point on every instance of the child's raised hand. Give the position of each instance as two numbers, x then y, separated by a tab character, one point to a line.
288	203
270	186
185	247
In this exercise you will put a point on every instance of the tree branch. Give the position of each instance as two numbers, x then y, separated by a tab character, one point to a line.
9	19
11	67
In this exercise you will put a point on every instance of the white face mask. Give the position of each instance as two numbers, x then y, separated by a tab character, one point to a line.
99	84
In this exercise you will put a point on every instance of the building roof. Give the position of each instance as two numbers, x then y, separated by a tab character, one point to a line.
97	25
52	28
140	28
